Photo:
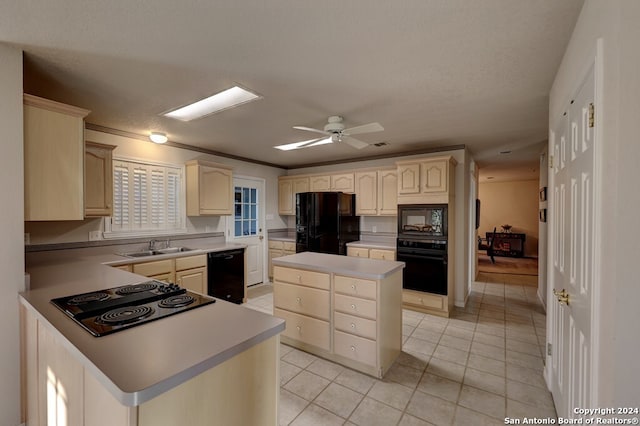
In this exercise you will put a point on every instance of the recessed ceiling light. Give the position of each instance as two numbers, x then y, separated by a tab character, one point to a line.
296	145
158	137
226	99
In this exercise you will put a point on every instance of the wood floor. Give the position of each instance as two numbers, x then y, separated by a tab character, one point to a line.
508	270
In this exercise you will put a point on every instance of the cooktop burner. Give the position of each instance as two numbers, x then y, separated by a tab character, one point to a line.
110	310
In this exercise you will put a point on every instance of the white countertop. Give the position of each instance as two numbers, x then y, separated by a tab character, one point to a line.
370	244
139	363
347	265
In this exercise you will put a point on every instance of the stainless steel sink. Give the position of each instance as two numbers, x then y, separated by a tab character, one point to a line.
146	253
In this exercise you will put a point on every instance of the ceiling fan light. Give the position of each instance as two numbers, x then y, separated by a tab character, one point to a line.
158	137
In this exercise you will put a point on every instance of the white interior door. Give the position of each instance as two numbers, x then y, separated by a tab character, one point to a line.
247	224
572	248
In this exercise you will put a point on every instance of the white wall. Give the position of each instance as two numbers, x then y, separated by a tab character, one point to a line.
616	310
12	247
542	230
58	232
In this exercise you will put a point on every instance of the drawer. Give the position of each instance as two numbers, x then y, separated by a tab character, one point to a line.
355	306
427	300
382	254
276	245
355	325
305	329
191	262
358	252
124	267
355	287
154	268
289	246
355	348
303	300
300	276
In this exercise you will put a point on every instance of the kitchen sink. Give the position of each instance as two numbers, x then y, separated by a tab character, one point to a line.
146	253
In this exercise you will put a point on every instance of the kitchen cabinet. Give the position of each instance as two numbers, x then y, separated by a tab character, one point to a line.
376	192
371	252
288	187
161	270
53	160
279	248
98	179
319	183
426	180
209	189
189	272
343	182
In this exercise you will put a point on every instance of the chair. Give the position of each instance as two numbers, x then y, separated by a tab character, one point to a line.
490	245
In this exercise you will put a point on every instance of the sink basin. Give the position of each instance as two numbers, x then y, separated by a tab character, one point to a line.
146	253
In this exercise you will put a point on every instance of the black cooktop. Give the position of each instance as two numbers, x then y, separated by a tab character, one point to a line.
107	311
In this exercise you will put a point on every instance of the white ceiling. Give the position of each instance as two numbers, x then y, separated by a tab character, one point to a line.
434	73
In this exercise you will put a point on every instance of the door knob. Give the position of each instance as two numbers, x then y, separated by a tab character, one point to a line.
563	296
261	237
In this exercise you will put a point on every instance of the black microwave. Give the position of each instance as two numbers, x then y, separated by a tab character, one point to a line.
422	220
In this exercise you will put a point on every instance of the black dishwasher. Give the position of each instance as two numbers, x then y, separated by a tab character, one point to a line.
225	271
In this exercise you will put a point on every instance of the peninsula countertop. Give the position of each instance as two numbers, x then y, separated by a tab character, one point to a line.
352	266
139	363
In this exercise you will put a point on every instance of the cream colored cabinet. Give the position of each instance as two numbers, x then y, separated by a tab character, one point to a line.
371	253
358	252
279	248
376	192
161	270
288	187
426	180
320	183
343	182
53	160
191	273
209	189
98	179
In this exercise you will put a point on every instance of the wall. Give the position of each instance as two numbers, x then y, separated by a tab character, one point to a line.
70	231
615	312
514	203
12	247
542	230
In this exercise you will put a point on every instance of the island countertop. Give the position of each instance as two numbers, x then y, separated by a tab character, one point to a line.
352	266
142	362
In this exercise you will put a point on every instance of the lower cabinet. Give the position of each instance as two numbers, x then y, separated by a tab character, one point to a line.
371	253
278	248
189	272
350	320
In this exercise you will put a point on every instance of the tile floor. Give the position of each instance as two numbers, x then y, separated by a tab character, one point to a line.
475	368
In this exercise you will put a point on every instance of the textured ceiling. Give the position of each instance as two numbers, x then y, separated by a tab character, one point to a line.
434	73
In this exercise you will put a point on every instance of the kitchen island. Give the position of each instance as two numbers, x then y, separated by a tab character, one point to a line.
214	364
345	309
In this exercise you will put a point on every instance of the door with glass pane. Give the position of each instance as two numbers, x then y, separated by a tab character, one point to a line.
246	225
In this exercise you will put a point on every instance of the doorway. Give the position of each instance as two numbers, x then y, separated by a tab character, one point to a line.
247	225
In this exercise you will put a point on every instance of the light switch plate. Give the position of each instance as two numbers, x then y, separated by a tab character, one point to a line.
95	236
374	229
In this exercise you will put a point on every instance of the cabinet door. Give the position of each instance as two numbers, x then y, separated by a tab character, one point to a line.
98	179
216	191
387	193
273	253
434	176
343	182
168	277
193	279
320	183
382	254
299	185
285	197
409	178
366	185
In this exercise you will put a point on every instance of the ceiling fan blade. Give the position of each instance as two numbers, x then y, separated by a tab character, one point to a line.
365	128
311	129
356	143
311	142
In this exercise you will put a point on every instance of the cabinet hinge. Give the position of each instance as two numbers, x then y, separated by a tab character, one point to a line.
591	115
551	161
549	349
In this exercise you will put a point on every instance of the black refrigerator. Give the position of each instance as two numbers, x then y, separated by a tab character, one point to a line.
326	222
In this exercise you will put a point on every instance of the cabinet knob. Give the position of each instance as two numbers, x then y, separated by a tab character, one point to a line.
353	286
353	348
421	301
298	300
298	328
353	325
299	278
353	306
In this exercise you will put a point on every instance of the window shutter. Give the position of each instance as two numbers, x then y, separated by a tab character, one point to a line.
174	218
140	196
120	217
157	197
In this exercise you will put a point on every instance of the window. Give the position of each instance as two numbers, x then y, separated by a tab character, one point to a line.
147	199
246	211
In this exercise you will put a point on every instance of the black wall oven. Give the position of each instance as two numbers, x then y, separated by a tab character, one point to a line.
422	245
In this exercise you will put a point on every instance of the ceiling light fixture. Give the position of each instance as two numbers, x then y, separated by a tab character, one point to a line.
221	101
158	137
302	144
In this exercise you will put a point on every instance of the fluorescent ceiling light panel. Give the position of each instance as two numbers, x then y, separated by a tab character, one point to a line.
229	98
296	145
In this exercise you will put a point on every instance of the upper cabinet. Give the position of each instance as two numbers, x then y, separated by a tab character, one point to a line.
343	182
388	192
376	192
98	179
209	189
426	180
288	187
320	183
53	160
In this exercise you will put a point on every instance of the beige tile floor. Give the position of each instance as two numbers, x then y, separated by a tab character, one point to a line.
475	368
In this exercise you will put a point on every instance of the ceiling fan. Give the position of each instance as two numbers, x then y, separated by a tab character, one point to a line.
335	130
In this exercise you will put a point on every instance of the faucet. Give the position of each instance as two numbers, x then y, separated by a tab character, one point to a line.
167	243
152	245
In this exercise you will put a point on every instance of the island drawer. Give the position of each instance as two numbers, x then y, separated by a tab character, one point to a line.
355	306
426	300
354	347
355	325
301	276
304	300
355	287
305	329
158	267
191	262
